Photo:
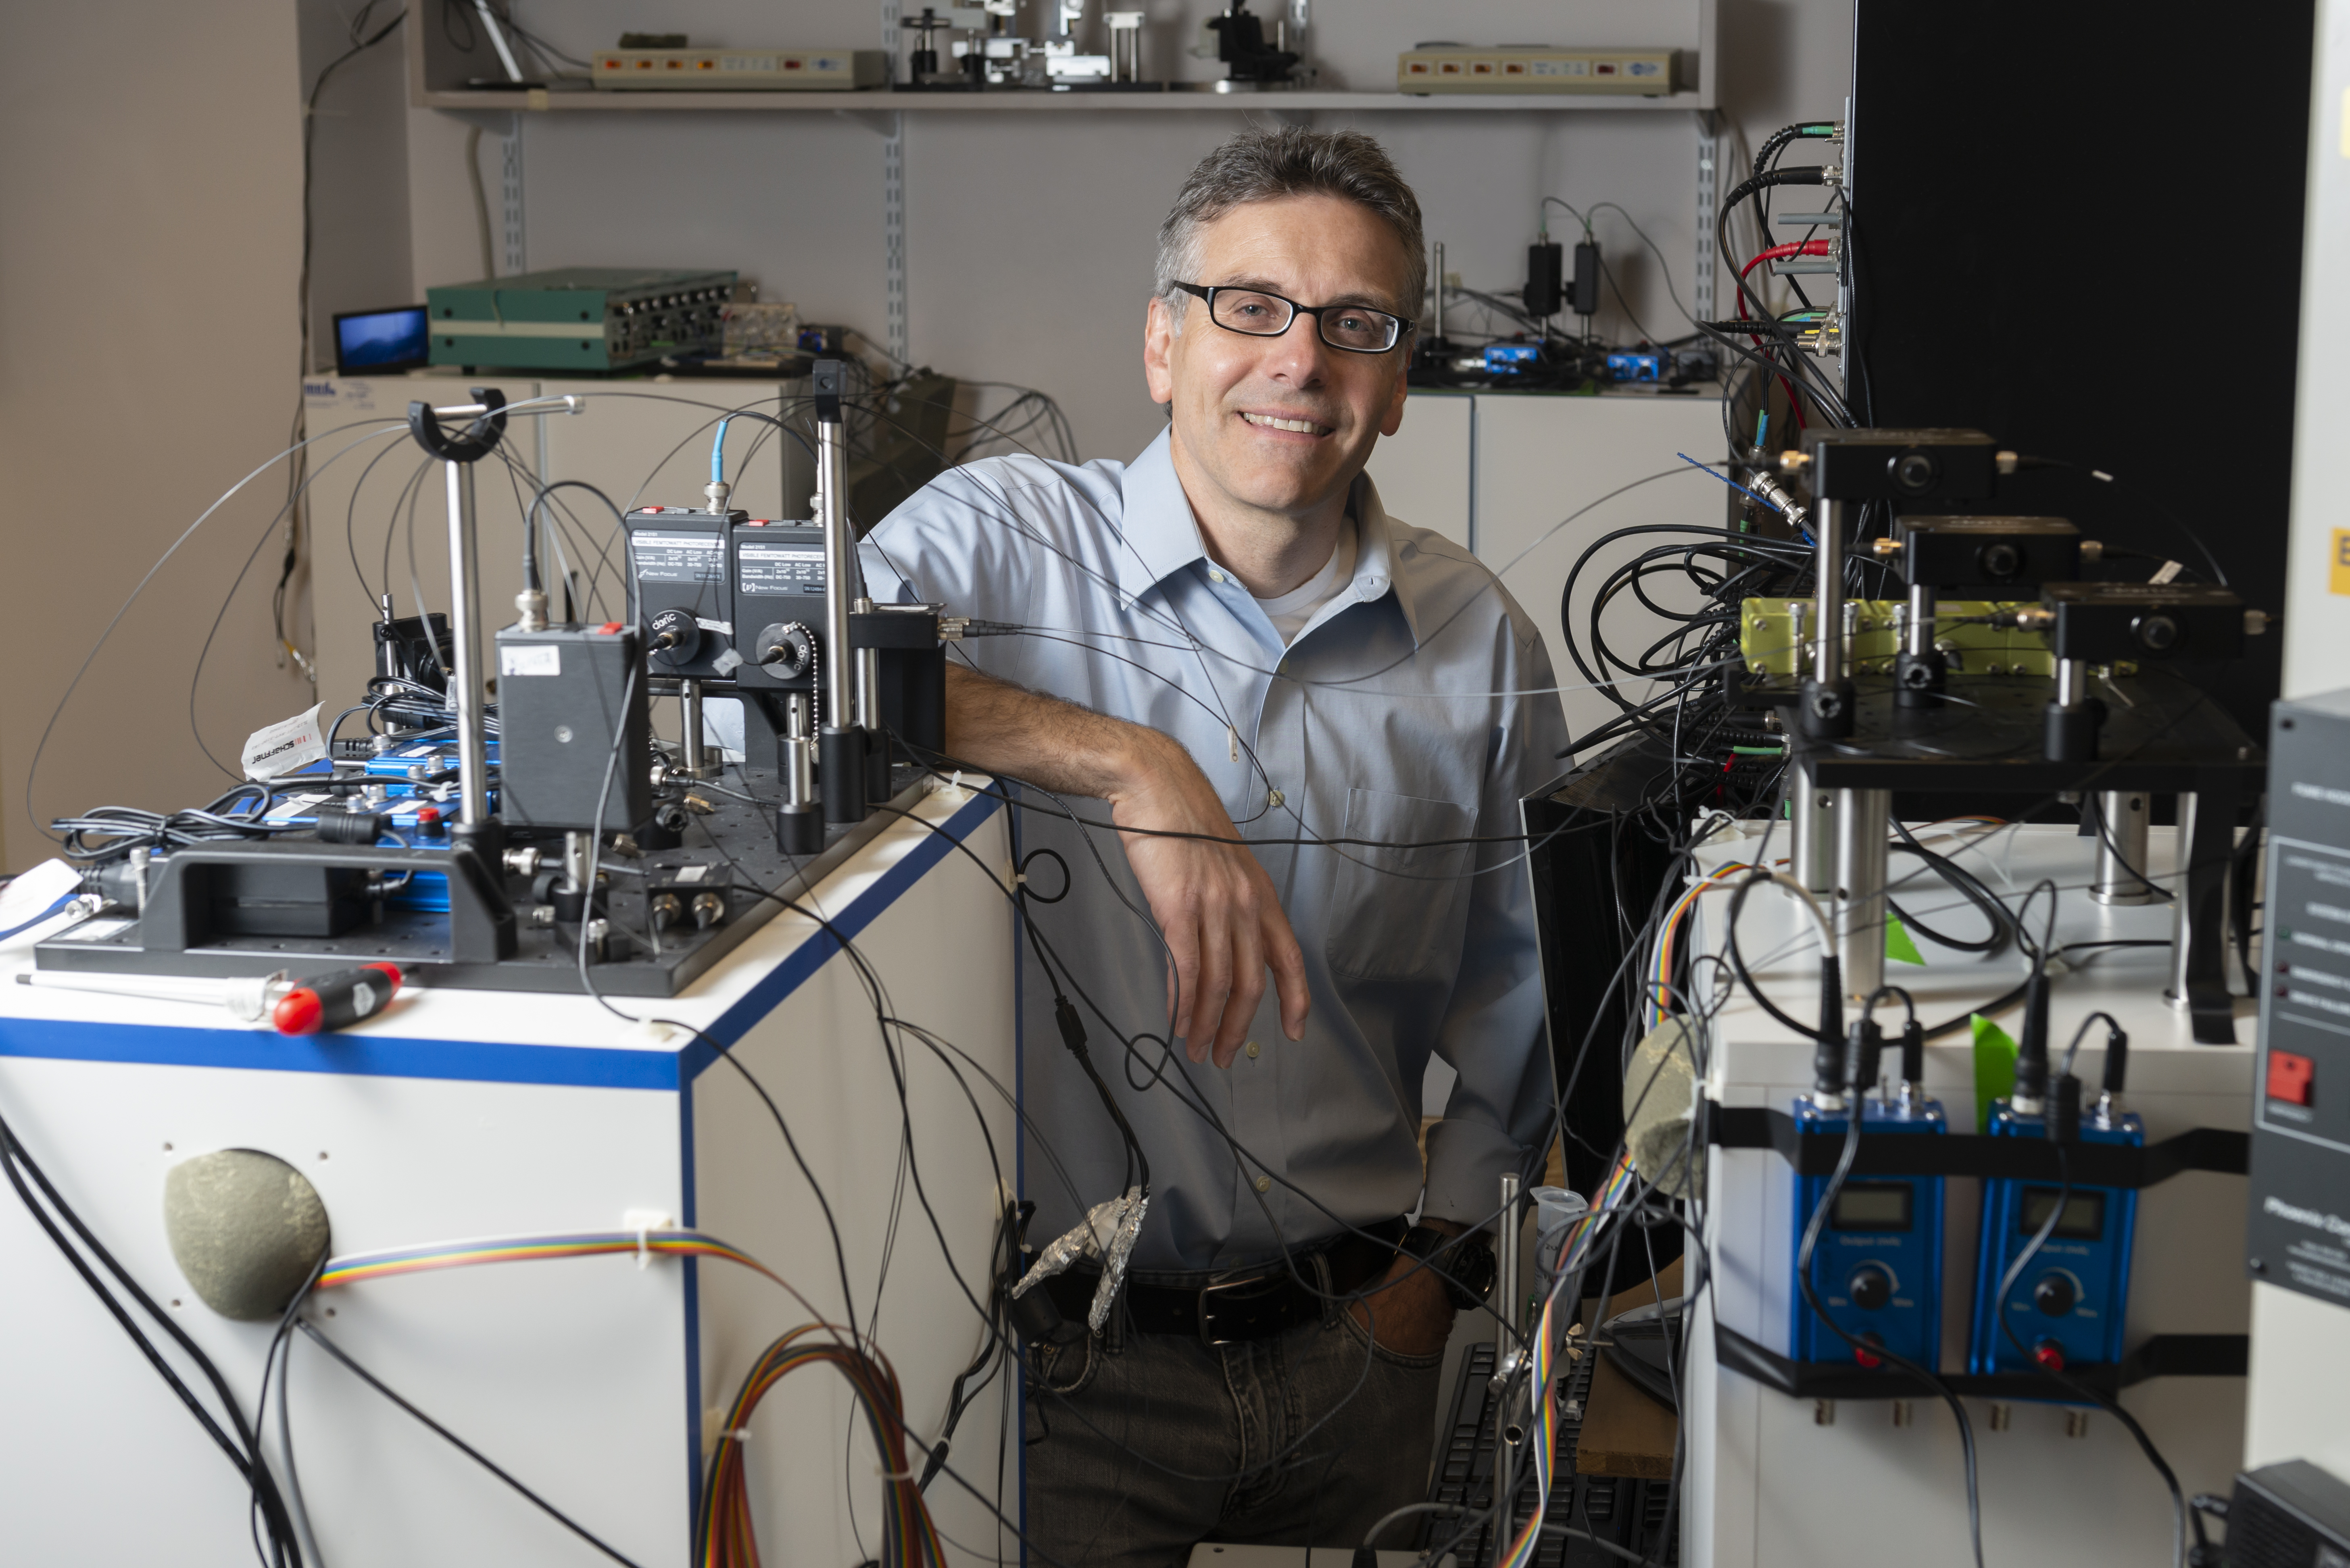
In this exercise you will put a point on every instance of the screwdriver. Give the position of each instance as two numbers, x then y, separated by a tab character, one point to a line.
331	1000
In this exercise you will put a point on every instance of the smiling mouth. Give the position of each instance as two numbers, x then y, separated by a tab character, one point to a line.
1302	427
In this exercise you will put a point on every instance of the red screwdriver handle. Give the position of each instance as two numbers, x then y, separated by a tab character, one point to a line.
336	1000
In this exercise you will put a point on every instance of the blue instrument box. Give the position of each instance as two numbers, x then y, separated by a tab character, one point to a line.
1878	1266
2073	1302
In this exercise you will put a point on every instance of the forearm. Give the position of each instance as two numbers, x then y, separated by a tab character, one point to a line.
1058	745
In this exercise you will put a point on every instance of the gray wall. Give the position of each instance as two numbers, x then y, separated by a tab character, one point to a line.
150	235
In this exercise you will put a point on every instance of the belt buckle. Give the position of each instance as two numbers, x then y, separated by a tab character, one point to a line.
1205	1307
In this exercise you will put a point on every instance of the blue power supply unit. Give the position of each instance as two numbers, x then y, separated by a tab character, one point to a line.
2072	1304
1512	358
1878	1266
1639	365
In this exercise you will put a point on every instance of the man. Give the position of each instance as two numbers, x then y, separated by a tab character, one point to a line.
1311	724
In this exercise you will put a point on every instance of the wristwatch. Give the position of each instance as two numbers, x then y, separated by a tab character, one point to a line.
1467	1271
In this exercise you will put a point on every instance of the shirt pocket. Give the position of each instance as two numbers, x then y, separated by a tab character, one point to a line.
1398	913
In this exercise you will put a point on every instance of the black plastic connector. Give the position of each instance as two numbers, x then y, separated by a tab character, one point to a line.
1913	1052
2065	1111
1829	1064
1863	1054
2116	1060
1584	300
1545	268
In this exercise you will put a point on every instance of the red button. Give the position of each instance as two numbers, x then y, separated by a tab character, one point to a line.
2050	1355
609	628
2291	1077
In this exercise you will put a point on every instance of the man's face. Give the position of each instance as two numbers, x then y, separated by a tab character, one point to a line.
1227	388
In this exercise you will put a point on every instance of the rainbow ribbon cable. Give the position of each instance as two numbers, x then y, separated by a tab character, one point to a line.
1660	966
357	1266
1544	1352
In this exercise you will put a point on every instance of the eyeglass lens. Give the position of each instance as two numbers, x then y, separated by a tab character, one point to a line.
1343	326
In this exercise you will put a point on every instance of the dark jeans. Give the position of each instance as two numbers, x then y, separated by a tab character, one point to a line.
1303	1438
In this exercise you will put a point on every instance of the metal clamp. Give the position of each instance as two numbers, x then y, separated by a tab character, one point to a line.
478	439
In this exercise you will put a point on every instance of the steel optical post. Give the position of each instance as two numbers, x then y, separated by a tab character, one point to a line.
840	747
465	617
1861	816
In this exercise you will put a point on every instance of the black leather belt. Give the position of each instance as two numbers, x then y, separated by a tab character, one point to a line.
1253	1304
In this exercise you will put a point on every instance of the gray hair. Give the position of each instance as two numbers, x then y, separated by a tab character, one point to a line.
1266	164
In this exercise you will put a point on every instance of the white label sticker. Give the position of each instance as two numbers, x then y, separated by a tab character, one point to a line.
287	746
531	659
725	627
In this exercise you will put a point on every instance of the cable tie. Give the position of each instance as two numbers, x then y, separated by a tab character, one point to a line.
893	1475
734	1434
644	1248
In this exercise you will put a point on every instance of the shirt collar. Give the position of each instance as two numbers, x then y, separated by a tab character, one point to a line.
1162	536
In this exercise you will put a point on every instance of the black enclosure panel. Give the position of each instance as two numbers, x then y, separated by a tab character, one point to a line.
2076	228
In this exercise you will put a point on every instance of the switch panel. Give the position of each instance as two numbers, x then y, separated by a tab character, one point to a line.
2298	1235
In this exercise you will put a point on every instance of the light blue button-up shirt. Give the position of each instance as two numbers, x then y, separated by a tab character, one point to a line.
1396	716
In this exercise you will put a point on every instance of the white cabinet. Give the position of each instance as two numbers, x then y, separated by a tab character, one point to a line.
1423	470
1541	460
1511	476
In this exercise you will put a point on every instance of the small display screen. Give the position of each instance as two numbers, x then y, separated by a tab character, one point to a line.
370	342
2084	1214
1872	1206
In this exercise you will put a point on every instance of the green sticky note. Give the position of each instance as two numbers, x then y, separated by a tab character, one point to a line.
1994	1067
1897	944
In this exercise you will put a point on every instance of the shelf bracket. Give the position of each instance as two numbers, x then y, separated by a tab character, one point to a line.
515	260
1709	182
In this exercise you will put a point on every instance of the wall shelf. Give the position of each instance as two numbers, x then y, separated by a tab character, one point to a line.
436	72
883	99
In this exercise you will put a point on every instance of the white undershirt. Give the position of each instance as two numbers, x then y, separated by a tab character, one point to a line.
1292	610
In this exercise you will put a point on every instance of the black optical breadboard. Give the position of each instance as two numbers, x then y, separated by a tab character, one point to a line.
2298	1235
1628	1513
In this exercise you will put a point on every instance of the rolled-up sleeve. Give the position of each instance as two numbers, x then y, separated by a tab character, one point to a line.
1494	1032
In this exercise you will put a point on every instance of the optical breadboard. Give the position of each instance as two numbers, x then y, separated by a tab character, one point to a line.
740	70
1650	73
579	318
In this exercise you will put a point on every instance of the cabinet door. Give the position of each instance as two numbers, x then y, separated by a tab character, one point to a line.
1422	470
1540	458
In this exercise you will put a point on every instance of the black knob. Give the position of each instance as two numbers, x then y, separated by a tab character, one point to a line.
2054	1295
1915	472
1870	1288
2001	562
2157	631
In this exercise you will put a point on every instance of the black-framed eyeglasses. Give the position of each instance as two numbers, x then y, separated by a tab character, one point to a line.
1353	327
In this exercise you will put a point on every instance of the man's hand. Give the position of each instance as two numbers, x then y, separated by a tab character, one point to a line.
1223	921
1217	908
1409	1311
